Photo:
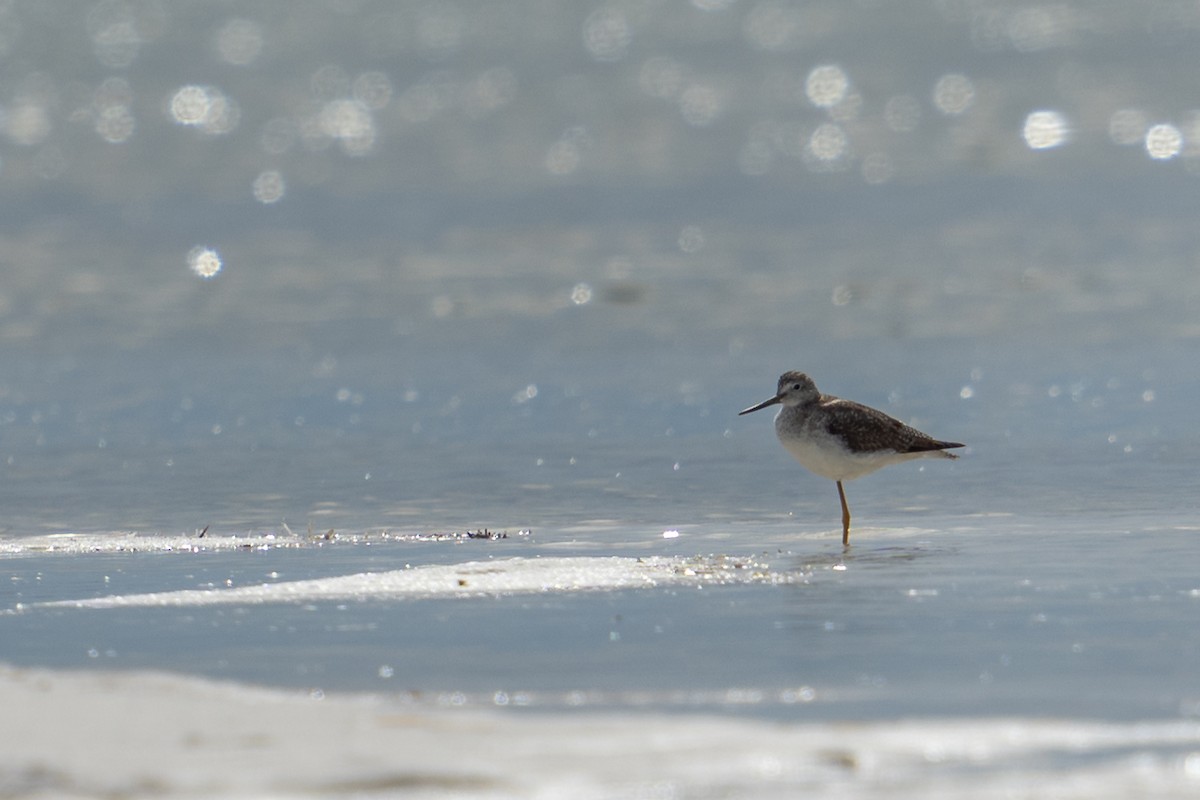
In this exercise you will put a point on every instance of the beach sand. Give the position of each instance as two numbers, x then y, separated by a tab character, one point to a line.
132	734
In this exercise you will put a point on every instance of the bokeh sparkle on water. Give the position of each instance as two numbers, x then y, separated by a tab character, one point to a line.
451	93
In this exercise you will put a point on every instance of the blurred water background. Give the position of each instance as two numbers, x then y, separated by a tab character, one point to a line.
469	261
434	266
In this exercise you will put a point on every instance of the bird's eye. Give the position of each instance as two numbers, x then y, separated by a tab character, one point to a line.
796	386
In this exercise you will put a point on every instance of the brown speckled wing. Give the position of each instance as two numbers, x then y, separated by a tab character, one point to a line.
867	430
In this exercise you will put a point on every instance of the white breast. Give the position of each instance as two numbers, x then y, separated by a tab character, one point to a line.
828	456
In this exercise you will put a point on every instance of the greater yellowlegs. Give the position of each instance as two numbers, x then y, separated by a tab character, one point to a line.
840	439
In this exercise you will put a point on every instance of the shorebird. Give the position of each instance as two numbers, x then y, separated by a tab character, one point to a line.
840	439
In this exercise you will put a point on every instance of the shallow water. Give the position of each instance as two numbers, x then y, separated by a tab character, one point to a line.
988	617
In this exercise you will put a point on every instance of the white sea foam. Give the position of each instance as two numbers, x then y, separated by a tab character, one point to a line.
502	576
135	542
73	544
111	542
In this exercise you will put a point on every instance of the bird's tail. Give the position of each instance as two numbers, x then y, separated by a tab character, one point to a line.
943	448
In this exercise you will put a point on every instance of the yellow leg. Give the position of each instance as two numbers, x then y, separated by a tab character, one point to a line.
845	516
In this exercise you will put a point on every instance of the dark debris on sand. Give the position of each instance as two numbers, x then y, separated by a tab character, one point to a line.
486	534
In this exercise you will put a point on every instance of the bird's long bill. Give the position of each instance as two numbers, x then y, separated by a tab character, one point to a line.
760	406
